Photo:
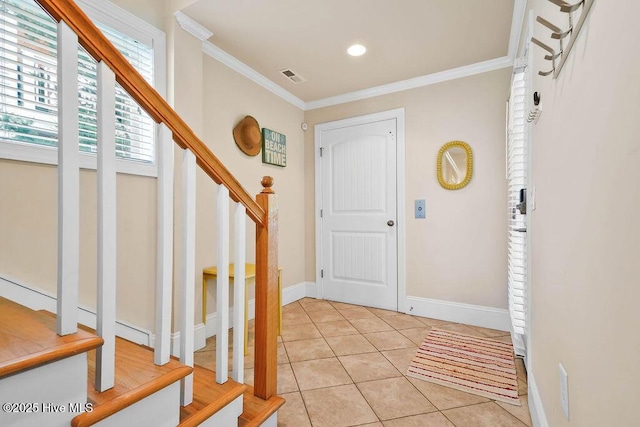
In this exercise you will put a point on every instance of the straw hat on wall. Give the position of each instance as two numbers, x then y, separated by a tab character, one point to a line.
247	136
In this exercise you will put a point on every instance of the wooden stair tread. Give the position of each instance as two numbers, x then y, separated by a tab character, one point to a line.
256	410
208	397
29	339
136	377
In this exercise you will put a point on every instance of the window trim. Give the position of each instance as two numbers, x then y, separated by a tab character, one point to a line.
107	13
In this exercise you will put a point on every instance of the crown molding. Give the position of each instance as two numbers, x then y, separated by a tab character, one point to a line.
199	31
192	27
426	80
517	21
243	69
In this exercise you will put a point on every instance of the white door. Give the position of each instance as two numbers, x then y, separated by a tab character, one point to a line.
359	215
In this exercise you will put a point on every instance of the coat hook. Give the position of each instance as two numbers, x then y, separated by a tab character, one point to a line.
548	24
544	46
552	57
556	33
566	7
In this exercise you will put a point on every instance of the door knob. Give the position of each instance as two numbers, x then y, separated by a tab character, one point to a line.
390	223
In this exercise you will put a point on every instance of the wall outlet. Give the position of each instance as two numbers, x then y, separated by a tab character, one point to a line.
420	213
564	390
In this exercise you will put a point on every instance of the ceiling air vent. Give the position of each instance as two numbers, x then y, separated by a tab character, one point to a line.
292	75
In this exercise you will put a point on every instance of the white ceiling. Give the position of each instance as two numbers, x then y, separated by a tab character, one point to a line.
405	38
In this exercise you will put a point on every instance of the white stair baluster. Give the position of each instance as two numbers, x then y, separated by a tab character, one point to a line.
68	182
239	258
222	285
106	309
162	344
188	271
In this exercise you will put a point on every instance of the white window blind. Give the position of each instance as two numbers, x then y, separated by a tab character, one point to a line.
517	180
28	85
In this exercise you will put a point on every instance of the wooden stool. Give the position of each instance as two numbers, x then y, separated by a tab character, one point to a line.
250	273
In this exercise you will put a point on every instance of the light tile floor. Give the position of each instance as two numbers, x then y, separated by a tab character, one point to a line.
345	365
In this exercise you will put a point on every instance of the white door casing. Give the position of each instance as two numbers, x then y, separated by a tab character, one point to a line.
359	189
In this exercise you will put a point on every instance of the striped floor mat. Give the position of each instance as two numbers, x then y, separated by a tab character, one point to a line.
475	365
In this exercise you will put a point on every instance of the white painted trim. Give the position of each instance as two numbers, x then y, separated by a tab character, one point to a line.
187	275
192	27
68	182
107	229
311	289
199	339
519	12
164	247
401	219
272	421
239	256
536	409
399	115
296	292
289	294
49	156
468	314
222	288
426	80
120	20
39	299
115	17
227	416
243	69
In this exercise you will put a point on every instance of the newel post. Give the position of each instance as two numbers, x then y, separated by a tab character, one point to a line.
266	347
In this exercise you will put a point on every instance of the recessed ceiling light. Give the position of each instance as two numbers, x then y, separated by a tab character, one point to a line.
356	50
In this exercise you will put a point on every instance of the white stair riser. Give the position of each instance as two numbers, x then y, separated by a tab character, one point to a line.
49	389
272	421
227	416
161	409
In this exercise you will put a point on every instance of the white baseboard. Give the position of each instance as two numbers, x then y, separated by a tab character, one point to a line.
289	294
486	317
39	299
538	416
294	293
312	289
199	341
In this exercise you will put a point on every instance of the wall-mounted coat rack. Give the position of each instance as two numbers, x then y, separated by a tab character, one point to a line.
559	57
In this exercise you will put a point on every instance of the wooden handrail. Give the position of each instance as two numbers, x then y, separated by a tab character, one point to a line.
92	39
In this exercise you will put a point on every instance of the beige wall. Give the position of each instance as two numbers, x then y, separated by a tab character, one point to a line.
458	253
228	97
585	269
28	226
151	11
29	191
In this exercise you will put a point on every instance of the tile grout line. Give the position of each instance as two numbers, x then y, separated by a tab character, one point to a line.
350	377
379	351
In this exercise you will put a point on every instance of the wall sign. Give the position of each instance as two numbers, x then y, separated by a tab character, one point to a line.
274	148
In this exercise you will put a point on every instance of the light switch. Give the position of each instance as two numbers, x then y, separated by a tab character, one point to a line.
420	213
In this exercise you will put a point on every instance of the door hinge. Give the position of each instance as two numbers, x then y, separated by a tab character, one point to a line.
321	151
321	273
320	213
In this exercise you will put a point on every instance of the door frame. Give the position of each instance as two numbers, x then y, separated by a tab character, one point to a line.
398	114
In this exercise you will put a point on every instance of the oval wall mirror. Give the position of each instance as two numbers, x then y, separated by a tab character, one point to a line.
455	165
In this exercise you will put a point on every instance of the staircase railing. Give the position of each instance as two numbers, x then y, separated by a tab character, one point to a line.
75	27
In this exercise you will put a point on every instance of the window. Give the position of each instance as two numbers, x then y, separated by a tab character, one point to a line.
517	152
28	85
